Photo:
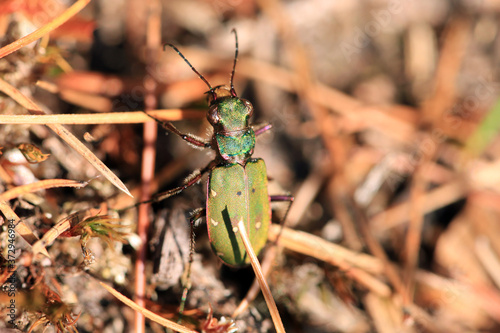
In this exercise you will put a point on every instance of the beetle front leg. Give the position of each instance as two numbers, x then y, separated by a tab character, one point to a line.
186	137
195	215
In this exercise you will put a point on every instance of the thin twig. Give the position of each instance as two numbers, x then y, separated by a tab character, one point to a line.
133	117
38	186
21	227
64	134
278	324
153	43
153	316
65	16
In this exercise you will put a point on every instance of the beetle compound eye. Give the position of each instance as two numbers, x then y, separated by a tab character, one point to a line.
213	115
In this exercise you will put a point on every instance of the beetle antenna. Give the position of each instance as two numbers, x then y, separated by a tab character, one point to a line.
194	70
233	92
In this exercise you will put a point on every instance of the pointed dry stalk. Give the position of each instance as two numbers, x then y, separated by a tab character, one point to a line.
40	185
319	248
39	33
278	324
67	136
358	266
32	107
21	228
154	317
252	293
132	117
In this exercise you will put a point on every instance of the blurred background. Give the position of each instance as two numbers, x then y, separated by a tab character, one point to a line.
385	120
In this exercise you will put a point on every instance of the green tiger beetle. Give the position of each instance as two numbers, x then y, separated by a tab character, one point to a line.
237	183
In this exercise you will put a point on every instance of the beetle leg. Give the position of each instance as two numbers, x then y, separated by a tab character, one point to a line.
195	215
275	198
190	181
186	137
261	129
278	198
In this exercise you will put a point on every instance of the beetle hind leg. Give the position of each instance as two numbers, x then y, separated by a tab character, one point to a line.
283	198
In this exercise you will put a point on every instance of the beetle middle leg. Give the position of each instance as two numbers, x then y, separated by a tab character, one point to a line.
195	215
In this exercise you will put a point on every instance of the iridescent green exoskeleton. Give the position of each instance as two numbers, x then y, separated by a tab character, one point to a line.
236	192
237	186
237	183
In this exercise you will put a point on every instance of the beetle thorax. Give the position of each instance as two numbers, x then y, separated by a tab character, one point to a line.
229	115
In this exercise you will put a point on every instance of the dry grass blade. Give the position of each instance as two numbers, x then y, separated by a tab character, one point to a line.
51	235
387	318
252	293
154	317
65	135
21	228
356	265
89	101
69	13
488	258
134	117
456	39
41	185
278	324
153	43
434	199
321	249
